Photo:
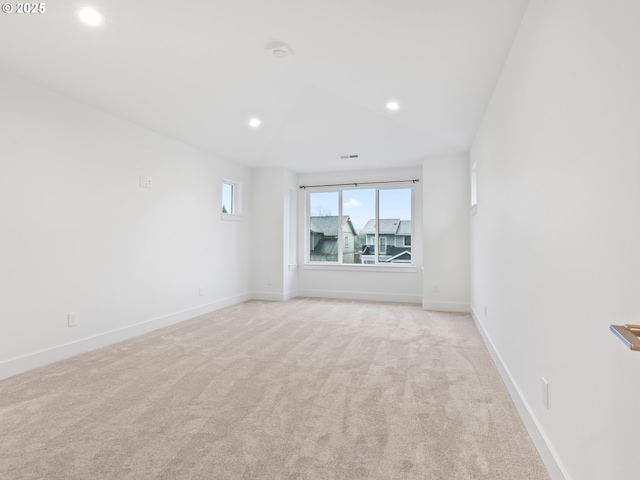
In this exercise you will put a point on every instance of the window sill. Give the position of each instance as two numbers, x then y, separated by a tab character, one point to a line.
362	268
232	217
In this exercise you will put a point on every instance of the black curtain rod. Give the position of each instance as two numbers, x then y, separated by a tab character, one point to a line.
415	180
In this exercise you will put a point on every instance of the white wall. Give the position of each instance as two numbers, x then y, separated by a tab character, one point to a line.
556	240
446	232
352	282
80	235
272	245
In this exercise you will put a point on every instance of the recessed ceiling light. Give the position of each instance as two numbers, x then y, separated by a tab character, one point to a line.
90	16
254	122
393	106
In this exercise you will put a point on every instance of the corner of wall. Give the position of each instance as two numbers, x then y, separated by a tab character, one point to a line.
456	307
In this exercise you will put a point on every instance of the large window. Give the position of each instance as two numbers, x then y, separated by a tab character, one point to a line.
360	226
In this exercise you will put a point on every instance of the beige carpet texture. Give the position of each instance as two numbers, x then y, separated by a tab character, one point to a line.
305	389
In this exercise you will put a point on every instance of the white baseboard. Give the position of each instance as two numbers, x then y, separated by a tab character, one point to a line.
290	295
15	366
371	296
458	307
547	453
273	297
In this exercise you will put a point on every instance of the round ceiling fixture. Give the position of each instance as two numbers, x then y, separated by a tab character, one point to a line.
90	16
393	105
254	122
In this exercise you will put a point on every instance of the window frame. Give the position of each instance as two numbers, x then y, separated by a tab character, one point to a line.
473	188
236	200
377	265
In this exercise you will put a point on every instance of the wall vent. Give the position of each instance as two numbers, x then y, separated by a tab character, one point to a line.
347	157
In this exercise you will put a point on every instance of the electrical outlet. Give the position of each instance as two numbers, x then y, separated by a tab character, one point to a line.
545	393
436	288
146	182
201	291
72	319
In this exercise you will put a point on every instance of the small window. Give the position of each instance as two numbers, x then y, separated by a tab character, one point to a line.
227	198
231	199
407	240
474	186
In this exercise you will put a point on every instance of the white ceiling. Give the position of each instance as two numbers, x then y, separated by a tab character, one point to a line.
199	70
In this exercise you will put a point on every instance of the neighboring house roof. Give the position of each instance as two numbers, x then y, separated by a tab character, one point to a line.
315	228
326	246
389	226
404	228
328	225
368	228
396	257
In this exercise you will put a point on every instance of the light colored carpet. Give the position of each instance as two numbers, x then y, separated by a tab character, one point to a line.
307	389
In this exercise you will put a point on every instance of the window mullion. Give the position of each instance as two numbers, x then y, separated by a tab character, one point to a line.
377	228
307	208
340	232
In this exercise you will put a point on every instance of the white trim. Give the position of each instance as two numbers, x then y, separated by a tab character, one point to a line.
289	295
363	267
371	296
473	194
458	307
230	216
15	366
274	297
549	456
231	208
